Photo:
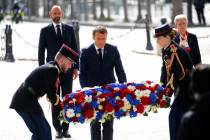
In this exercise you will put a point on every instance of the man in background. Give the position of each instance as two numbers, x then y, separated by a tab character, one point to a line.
51	38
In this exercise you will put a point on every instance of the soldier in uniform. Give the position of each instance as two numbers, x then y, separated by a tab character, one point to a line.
175	74
43	80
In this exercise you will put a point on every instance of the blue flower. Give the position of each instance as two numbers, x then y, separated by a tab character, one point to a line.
77	109
111	101
130	99
160	89
99	115
71	96
119	114
153	98
88	92
81	119
94	104
133	114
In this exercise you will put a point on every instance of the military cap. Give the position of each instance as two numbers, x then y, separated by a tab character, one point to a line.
162	30
69	53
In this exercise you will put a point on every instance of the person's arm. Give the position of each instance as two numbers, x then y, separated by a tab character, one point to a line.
74	46
83	70
41	48
119	68
51	85
196	52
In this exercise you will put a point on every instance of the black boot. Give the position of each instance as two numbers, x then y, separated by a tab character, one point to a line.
58	134
66	134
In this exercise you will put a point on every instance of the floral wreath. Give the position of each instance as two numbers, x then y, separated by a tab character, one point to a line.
114	101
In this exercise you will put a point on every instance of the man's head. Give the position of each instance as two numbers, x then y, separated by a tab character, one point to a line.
56	13
181	23
100	36
65	58
200	80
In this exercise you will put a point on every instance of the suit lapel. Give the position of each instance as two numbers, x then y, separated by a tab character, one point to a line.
53	32
93	51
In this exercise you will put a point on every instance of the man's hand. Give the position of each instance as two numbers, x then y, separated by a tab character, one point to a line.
75	74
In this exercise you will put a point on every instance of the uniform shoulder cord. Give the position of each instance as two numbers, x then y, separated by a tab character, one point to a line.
169	64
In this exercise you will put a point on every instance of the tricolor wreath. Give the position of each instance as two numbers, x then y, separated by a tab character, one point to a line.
114	101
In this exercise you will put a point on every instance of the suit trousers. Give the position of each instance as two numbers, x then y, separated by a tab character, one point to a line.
37	124
107	132
66	87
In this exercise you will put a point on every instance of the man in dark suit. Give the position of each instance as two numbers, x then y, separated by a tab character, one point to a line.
43	80
199	7
97	65
187	40
51	38
195	124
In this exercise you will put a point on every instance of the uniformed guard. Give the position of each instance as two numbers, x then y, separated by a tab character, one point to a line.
175	74
43	80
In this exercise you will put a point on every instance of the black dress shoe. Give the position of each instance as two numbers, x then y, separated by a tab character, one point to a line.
58	135
66	134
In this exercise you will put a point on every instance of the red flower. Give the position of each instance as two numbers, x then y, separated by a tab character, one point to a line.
188	49
80	97
108	107
74	119
140	108
145	100
119	103
87	111
162	103
124	92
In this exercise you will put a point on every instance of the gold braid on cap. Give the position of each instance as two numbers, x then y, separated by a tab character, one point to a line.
169	64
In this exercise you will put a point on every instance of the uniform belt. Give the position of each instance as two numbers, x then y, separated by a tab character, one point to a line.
29	88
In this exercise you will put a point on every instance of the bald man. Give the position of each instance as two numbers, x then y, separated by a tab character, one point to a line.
51	38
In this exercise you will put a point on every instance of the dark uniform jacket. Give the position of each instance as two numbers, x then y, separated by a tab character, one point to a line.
41	81
90	73
177	73
48	41
194	48
195	124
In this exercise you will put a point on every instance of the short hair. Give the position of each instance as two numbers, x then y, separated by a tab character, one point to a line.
180	17
100	29
199	78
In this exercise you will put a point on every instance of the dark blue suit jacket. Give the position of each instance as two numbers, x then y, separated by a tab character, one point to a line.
48	41
89	67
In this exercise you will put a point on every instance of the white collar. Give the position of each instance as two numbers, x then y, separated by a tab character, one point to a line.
55	24
98	48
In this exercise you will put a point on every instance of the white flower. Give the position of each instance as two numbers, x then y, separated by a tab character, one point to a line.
147	108
88	98
131	88
154	109
70	113
116	89
78	115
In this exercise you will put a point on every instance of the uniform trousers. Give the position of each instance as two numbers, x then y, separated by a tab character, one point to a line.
37	124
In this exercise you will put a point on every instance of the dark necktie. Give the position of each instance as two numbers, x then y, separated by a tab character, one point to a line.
59	36
100	56
100	59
